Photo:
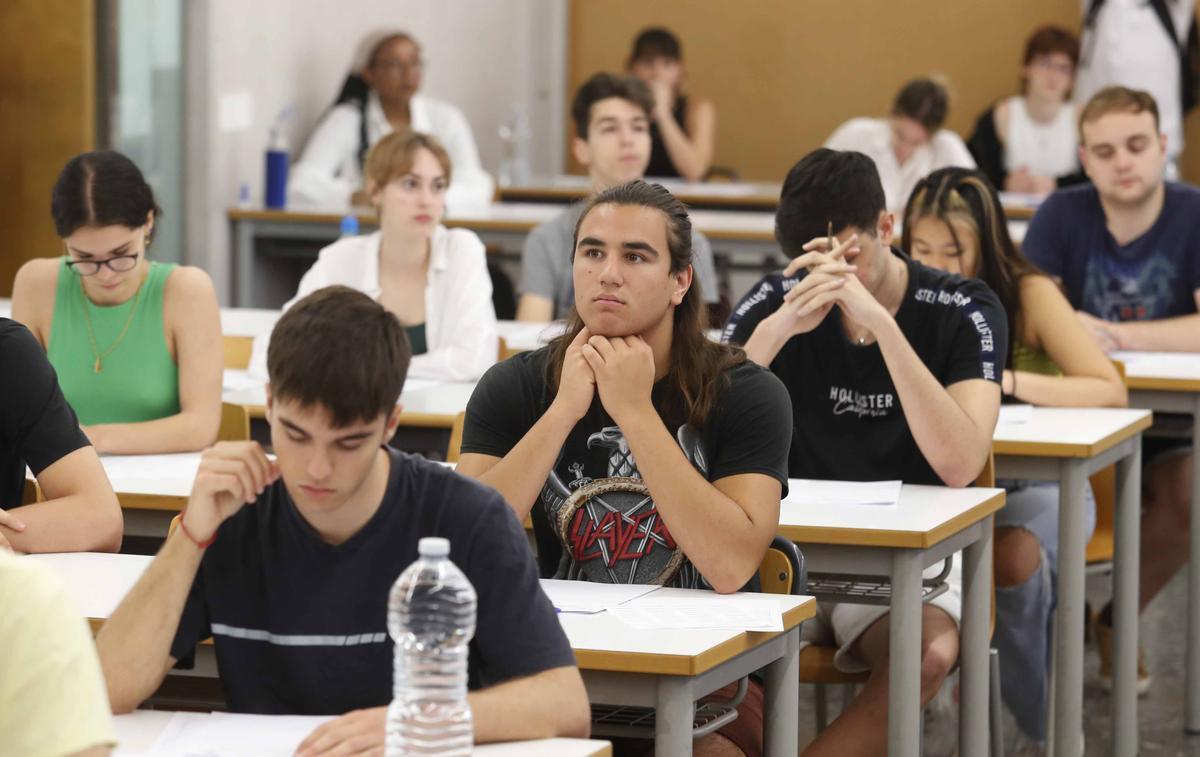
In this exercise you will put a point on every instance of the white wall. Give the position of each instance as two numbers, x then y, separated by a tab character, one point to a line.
485	57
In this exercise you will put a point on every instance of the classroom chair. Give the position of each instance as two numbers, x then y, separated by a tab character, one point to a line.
237	351
1104	489
235	423
456	434
781	572
817	668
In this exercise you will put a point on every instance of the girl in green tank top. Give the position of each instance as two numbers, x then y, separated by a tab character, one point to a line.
136	344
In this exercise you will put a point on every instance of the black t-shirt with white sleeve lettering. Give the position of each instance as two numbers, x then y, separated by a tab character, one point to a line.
595	520
300	625
849	424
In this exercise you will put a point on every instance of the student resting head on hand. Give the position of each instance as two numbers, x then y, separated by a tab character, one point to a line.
136	343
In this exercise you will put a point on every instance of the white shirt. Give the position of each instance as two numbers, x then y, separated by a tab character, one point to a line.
1129	46
460	323
873	137
328	171
1044	149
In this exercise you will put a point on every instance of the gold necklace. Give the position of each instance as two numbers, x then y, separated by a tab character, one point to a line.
87	317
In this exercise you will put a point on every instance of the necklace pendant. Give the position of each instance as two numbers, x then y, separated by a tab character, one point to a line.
96	366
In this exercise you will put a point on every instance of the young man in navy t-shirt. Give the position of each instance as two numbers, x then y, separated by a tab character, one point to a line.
894	373
1127	251
294	589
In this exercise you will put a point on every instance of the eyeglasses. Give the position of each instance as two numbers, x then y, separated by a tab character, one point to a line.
1048	64
401	67
118	263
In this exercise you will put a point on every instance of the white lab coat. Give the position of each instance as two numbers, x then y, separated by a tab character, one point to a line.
460	322
328	171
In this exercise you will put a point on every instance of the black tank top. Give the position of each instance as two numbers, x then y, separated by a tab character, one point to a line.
660	161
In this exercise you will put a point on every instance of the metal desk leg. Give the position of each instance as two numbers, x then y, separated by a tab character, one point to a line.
1068	658
1191	719
244	262
1127	527
673	716
973	647
781	700
904	656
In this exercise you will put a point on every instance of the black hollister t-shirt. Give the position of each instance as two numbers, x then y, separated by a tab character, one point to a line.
849	424
594	519
300	625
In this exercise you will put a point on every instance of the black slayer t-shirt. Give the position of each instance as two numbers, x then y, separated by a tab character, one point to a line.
300	625
595	519
849	424
37	426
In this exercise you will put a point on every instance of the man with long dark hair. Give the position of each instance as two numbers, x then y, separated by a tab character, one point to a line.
642	451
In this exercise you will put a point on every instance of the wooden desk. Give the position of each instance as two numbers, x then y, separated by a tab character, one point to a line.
713	195
1067	445
152	482
1169	382
666	669
928	524
748	234
138	732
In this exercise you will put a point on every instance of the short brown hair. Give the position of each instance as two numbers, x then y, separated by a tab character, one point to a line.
1047	40
393	156
603	86
925	101
339	349
1117	99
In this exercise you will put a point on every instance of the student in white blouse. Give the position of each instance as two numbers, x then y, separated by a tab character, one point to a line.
434	279
329	171
910	144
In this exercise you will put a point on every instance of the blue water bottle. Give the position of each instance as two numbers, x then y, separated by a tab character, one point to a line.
277	170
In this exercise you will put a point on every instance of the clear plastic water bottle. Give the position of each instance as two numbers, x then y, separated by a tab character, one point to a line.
431	617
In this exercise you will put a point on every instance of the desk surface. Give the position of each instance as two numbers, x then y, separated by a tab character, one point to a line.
248	321
1161	371
152	482
1069	432
138	731
923	517
97	582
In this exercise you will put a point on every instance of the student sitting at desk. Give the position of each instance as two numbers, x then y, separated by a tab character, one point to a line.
294	589
954	223
1124	248
38	429
136	343
1027	142
52	701
612	120
684	130
434	279
910	143
635	403
894	372
380	97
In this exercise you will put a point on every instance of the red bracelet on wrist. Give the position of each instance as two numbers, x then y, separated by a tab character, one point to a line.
193	539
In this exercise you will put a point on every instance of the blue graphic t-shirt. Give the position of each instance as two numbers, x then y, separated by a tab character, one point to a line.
1153	277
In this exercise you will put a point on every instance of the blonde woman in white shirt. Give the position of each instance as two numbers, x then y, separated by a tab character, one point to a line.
381	97
434	279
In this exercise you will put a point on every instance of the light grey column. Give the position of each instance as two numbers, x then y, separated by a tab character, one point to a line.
973	646
1068	660
1191	718
673	716
1127	527
904	656
781	700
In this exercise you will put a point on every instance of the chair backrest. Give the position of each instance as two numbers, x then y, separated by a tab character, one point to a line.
782	570
174	525
237	351
456	434
235	423
987	476
1120	366
502	353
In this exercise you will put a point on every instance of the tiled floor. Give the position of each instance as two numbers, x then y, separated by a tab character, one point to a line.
1160	712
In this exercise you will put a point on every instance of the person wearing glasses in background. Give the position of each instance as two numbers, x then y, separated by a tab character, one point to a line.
378	97
136	344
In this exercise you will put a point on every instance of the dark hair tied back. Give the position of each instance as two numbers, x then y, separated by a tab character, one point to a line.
102	188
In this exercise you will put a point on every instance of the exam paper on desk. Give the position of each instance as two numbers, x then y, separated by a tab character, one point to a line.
814	492
723	612
588	597
1015	414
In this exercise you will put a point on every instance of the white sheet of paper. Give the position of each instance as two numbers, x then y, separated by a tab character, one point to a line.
814	492
586	597
236	380
1015	414
650	613
221	734
1183	365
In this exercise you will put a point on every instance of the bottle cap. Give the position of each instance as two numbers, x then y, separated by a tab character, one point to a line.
349	225
433	546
